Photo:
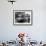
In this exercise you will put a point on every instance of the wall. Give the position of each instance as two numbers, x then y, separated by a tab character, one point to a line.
37	31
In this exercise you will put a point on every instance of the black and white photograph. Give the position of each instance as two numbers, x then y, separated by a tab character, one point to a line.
22	16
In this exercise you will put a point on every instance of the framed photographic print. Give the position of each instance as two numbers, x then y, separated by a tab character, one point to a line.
22	17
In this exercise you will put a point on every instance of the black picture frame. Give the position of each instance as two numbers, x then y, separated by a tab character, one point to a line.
19	20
